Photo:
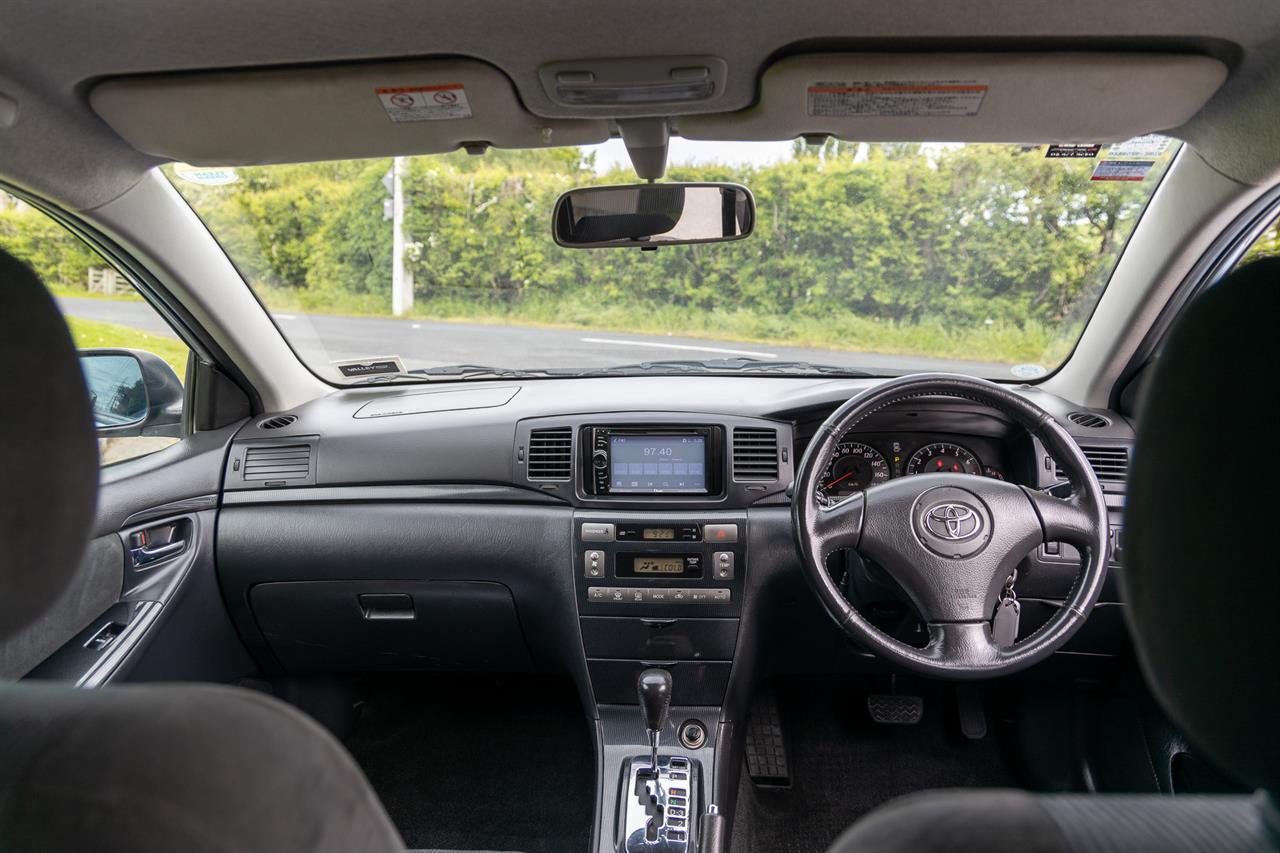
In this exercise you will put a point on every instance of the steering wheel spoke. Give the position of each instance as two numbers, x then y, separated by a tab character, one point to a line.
1069	520
839	526
963	647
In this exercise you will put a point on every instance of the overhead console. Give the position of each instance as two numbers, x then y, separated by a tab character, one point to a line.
656	460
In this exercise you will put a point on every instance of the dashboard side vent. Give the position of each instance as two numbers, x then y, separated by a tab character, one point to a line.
551	454
278	422
278	462
1088	420
1109	463
755	454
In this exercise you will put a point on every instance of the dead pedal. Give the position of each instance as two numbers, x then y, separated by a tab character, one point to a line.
766	747
895	709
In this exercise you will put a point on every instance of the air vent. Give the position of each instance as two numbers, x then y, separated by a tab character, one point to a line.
551	454
278	422
1109	463
755	454
279	462
1088	419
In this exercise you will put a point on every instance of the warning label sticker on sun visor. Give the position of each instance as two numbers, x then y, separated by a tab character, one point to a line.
896	98
425	103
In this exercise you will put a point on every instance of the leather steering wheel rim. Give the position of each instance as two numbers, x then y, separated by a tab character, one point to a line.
953	573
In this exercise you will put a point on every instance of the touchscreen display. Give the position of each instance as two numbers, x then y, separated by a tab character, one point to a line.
658	463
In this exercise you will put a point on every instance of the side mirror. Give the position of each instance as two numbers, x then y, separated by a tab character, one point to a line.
133	393
651	215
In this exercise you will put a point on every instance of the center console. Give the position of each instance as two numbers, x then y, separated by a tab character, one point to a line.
659	588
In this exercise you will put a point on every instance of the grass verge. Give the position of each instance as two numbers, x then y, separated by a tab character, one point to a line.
94	333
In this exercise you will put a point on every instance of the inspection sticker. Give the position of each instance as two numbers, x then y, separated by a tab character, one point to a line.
1121	170
425	103
1145	147
897	98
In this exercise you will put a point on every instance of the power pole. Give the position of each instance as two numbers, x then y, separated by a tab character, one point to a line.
401	276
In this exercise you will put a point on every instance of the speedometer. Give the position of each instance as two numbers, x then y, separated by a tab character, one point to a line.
943	458
854	466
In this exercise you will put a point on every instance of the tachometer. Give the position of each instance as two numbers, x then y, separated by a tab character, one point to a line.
854	466
943	458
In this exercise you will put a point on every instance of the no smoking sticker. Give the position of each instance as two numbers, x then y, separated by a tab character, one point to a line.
425	103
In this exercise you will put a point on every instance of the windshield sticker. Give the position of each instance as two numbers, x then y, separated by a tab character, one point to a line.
1140	147
370	366
897	98
425	103
209	176
1073	150
1121	170
1028	371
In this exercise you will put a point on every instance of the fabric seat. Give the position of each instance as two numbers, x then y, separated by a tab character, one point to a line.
1200	585
133	769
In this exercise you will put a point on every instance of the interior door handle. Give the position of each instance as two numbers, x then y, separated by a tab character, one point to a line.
144	555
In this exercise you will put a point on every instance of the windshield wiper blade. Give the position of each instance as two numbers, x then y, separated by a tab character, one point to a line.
728	365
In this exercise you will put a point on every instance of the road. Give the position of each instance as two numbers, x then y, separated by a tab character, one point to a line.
321	338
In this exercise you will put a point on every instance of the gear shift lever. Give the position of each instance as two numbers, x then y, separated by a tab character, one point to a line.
654	687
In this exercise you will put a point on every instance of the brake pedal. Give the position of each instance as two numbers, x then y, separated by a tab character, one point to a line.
766	747
895	709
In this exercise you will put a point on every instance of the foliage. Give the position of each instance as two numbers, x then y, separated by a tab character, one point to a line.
60	258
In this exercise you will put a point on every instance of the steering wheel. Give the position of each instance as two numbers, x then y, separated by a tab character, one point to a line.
952	541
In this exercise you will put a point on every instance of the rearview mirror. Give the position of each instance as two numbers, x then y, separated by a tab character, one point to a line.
132	392
651	215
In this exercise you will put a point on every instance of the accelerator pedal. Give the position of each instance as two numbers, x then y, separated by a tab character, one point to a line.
895	709
766	746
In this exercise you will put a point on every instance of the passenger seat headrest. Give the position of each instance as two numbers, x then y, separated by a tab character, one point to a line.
48	451
1201	579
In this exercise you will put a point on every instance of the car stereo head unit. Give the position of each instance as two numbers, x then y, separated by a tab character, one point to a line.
631	461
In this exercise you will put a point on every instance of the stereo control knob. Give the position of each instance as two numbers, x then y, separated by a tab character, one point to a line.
600	460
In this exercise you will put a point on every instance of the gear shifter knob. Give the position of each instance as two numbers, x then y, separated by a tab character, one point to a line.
654	687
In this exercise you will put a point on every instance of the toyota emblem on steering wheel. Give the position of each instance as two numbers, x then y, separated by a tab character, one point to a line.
953	522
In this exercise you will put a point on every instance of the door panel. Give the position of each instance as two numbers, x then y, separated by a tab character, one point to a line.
96	587
156	612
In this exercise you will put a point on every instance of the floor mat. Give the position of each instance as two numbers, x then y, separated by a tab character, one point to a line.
479	763
843	765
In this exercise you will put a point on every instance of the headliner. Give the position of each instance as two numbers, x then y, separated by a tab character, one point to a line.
50	57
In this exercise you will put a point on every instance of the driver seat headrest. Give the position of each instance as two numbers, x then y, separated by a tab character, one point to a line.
1201	578
48	451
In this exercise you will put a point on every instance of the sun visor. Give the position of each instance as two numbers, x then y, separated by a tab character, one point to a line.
239	118
970	97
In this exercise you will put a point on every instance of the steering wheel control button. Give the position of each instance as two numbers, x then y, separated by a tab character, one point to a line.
718	533
597	532
594	562
952	522
722	565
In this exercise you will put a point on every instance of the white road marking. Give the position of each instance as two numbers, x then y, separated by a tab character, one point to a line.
622	343
285	316
416	326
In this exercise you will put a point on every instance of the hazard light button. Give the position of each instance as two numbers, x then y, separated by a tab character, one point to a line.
720	532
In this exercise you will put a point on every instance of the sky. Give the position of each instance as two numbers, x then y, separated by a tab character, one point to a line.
684	152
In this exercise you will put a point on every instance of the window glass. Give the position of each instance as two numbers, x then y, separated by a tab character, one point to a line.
137	395
884	258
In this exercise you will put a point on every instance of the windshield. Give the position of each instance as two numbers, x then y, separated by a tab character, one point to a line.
866	258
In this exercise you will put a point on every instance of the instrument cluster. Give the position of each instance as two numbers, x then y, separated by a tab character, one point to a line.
863	460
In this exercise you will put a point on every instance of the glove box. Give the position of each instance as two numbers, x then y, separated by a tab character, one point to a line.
363	626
